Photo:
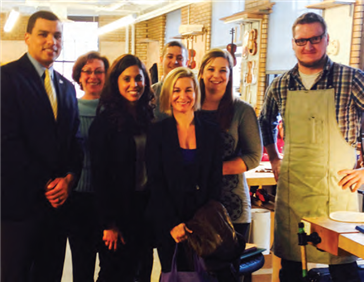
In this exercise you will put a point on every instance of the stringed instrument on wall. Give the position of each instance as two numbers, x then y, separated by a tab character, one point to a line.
232	47
252	44
245	51
191	63
250	76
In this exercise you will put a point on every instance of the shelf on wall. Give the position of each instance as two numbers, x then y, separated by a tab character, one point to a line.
189	35
250	15
330	4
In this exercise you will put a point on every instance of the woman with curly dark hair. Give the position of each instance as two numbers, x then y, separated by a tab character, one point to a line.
117	143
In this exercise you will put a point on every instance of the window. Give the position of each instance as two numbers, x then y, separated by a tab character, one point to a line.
78	39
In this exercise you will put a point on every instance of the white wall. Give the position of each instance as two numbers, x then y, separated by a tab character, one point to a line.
173	21
152	54
340	31
11	50
112	49
280	56
220	32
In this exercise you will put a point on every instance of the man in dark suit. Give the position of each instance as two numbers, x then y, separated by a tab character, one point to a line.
40	156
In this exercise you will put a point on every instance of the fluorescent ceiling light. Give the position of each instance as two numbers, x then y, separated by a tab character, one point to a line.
10	22
134	19
166	9
117	24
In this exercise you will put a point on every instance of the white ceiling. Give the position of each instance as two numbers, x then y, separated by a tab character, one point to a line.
64	8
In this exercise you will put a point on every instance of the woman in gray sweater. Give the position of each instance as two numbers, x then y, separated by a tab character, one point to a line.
239	128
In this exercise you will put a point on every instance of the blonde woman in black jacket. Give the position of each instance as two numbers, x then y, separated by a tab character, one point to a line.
184	166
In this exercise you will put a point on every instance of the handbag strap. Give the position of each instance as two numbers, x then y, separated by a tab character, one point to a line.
174	260
198	262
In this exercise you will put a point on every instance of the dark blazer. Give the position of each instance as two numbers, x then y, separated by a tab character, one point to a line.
34	147
113	172
176	194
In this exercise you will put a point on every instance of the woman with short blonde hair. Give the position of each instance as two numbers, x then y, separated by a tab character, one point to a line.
184	166
167	89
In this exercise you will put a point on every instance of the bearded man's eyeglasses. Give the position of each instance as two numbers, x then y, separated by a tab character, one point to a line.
313	40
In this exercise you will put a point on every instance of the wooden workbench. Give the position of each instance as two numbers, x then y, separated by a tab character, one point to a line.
259	176
262	176
338	238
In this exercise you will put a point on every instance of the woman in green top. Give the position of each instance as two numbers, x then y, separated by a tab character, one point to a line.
83	232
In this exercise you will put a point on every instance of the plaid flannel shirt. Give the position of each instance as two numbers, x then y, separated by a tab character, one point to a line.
348	83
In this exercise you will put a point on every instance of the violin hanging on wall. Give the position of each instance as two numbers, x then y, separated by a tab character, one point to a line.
232	47
252	45
245	51
191	63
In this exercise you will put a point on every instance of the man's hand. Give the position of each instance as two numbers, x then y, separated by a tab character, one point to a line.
179	232
57	190
111	237
275	159
276	167
353	178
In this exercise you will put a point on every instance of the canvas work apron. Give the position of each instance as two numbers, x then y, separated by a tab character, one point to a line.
314	152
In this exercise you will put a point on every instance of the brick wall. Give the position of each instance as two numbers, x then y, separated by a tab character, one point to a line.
141	32
261	80
153	29
357	46
156	31
249	4
18	31
262	64
115	35
199	13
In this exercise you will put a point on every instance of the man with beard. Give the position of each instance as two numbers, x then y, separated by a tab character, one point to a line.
321	103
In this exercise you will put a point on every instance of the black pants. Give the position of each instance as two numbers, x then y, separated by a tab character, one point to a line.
34	249
134	260
292	271
129	263
243	229
84	235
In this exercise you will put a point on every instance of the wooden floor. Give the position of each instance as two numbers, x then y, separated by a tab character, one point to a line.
67	269
262	275
265	273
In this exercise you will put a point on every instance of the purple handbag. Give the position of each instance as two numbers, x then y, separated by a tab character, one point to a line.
199	275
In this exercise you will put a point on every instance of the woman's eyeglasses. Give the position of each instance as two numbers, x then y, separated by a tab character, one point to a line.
90	72
313	40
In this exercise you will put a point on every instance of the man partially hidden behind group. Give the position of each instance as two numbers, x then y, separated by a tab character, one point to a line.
174	55
41	158
321	104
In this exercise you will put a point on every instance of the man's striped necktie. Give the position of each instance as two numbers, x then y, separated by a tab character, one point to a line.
51	94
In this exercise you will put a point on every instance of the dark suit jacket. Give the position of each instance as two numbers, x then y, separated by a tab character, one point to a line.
34	147
113	172
177	193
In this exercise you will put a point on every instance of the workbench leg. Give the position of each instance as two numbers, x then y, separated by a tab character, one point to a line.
276	266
